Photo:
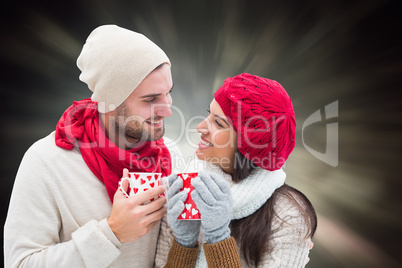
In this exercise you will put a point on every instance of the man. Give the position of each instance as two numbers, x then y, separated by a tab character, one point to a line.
65	210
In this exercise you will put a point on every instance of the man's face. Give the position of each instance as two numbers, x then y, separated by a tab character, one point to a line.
140	116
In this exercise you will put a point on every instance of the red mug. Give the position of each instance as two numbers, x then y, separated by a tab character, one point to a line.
190	211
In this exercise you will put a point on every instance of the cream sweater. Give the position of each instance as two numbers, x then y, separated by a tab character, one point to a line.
290	247
57	215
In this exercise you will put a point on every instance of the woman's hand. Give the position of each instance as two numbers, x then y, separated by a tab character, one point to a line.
213	199
186	232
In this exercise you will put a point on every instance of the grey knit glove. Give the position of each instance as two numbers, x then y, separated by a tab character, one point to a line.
213	199
185	231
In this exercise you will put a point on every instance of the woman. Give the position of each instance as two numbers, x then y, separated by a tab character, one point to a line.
246	139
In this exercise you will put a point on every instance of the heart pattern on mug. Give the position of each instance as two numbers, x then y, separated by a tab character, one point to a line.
140	182
188	206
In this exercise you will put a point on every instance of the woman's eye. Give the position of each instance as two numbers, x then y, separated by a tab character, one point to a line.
208	111
219	124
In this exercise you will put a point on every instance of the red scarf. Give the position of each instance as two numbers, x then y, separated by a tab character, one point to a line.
79	125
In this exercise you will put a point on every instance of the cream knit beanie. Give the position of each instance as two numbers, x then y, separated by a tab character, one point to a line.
114	61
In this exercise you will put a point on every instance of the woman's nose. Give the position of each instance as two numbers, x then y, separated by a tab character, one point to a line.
203	127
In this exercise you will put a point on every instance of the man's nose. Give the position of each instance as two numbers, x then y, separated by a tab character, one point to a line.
163	110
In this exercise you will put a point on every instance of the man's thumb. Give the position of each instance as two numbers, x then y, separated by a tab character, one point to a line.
125	173
123	184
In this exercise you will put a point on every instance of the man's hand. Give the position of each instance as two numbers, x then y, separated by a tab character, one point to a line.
130	219
311	246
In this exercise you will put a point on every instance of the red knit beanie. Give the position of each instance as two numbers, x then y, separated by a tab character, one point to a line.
262	115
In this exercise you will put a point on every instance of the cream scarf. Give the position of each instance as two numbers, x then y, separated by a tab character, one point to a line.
248	195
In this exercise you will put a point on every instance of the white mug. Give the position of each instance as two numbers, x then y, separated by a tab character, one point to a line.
140	182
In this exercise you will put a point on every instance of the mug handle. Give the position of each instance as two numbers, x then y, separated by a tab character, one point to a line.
121	186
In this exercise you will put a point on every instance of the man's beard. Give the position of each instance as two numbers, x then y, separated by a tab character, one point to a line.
137	131
134	128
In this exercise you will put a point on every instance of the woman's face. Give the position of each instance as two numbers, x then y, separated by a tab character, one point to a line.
218	139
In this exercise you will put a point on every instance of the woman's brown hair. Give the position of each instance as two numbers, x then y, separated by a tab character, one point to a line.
254	232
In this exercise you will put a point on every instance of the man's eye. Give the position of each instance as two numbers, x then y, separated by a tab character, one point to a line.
150	100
